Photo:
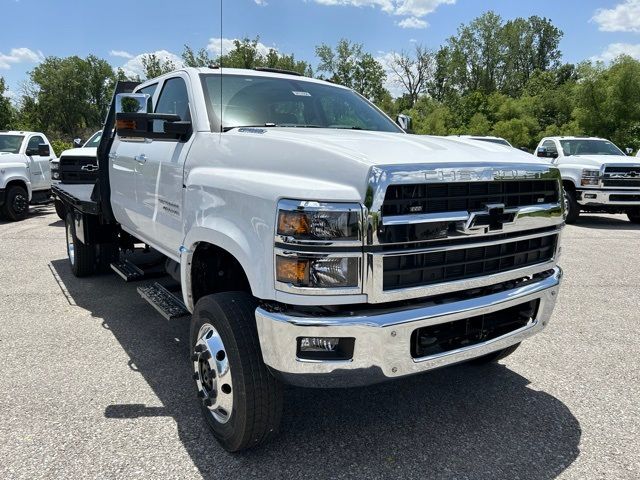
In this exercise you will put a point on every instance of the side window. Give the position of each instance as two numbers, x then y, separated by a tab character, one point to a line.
173	99
149	90
34	142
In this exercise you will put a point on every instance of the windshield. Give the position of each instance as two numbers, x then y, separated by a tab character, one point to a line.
94	141
283	102
589	147
10	143
499	141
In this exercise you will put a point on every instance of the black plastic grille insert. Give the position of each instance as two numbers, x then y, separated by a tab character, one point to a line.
467	196
423	269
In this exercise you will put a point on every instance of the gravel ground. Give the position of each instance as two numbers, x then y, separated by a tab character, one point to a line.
95	384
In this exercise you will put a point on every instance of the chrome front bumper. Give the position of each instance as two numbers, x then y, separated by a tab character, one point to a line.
382	340
597	197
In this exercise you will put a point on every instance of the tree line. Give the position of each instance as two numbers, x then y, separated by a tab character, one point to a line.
492	77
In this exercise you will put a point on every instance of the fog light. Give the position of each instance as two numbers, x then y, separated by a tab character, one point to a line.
325	348
318	344
590	196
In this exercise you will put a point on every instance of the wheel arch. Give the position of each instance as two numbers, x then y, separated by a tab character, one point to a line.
214	262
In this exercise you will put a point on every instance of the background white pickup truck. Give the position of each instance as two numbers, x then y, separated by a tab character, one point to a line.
310	239
597	175
25	174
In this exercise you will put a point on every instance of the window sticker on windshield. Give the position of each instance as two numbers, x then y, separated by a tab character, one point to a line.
301	94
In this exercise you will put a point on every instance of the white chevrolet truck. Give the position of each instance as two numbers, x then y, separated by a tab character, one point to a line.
310	240
597	176
25	174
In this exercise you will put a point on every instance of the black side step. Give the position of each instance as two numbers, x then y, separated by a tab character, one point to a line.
165	302
127	270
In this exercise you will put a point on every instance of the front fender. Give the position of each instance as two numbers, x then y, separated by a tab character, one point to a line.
229	236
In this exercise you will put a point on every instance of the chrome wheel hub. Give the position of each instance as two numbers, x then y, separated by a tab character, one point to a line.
71	250
212	373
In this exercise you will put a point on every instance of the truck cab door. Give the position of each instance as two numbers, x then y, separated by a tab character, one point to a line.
39	167
160	179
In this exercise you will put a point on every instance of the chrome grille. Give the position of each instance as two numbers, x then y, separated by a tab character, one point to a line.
621	176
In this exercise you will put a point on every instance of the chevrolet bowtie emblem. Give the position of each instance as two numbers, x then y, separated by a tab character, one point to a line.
492	219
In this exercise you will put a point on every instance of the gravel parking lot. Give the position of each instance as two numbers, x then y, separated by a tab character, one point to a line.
95	384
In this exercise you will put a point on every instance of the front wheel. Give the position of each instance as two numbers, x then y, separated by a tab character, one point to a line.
16	206
240	400
82	258
571	205
634	216
61	211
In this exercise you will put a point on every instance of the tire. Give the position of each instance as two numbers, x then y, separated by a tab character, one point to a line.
571	204
230	373
16	206
495	356
82	258
61	210
634	217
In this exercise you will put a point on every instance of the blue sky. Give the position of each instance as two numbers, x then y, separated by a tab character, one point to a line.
120	31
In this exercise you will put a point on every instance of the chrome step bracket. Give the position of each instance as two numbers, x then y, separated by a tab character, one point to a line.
128	271
165	302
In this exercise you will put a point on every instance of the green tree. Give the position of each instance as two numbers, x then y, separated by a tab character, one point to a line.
414	72
7	111
196	59
154	66
350	66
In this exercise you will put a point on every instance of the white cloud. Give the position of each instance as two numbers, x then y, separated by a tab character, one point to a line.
621	18
261	3
120	53
412	22
614	50
134	66
221	47
414	10
19	55
391	83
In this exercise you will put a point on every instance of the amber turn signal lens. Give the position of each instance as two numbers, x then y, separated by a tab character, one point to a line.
126	125
292	270
293	223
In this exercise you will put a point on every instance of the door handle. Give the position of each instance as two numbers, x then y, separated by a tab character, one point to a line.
141	159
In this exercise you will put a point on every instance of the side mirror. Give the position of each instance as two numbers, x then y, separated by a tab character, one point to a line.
77	142
404	122
44	150
629	151
133	120
541	152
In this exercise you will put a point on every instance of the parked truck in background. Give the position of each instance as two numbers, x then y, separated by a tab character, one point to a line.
76	165
25	174
597	176
310	240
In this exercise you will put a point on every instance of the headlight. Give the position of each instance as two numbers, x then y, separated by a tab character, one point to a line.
315	221
317	271
590	178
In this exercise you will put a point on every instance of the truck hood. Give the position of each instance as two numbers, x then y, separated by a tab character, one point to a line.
78	152
334	164
380	148
599	160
